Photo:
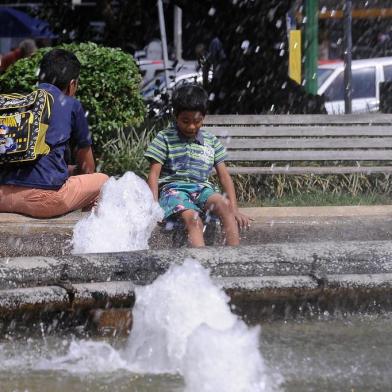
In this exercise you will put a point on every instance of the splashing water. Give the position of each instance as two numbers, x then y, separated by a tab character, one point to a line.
183	324
123	221
224	360
85	357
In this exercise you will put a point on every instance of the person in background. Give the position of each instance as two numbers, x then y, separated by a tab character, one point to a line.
26	48
48	187
154	50
214	74
324	45
182	158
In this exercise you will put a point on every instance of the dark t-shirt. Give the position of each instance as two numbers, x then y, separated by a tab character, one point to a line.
67	121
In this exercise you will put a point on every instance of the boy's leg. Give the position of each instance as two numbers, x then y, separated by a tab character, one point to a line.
27	201
219	205
77	192
81	191
194	227
176	201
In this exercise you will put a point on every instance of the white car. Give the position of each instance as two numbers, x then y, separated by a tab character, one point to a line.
366	78
157	86
150	68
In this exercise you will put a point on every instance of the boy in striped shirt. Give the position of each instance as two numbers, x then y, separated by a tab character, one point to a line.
182	158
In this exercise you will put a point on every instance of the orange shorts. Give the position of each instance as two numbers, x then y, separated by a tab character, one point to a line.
77	192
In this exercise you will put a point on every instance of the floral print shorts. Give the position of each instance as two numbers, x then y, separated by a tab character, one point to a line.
176	197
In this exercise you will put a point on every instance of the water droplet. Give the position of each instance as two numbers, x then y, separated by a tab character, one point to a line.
211	11
245	45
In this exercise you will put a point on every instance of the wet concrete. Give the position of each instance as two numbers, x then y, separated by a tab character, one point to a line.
314	259
293	261
263	281
52	237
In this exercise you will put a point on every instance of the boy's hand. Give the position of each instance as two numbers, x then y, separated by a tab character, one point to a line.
72	170
242	220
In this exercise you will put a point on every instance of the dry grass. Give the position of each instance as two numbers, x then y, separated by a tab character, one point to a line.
253	188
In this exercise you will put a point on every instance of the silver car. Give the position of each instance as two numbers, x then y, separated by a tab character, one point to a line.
366	78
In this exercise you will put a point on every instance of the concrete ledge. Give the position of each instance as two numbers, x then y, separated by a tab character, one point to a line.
317	260
24	236
59	298
19	301
262	280
103	294
101	307
293	261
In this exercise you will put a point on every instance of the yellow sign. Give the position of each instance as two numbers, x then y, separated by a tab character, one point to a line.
295	55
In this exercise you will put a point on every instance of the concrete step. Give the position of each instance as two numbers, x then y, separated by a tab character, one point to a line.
263	281
292	261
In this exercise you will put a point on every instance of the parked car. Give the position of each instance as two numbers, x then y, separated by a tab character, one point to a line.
157	86
366	78
150	68
156	93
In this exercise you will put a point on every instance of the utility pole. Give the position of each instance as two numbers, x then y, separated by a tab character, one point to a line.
348	43
178	32
164	41
311	46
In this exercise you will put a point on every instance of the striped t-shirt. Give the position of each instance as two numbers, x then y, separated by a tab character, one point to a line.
183	159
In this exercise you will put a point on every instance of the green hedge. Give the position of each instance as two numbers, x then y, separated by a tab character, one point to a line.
108	87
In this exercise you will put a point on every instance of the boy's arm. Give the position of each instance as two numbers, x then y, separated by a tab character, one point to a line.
81	140
153	176
84	162
228	188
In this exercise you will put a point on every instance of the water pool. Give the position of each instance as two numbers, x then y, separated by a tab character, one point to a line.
328	354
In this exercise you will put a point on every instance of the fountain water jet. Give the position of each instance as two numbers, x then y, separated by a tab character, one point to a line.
183	324
123	220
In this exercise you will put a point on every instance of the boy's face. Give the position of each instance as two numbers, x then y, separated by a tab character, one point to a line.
189	123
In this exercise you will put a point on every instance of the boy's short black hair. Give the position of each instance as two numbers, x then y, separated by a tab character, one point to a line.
59	67
189	97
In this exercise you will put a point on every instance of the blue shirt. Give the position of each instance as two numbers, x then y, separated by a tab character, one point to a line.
67	121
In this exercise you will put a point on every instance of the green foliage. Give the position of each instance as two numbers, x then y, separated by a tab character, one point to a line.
108	87
126	153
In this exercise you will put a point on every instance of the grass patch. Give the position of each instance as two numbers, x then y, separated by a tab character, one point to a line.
320	199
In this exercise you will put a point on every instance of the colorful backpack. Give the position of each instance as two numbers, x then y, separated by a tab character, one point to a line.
24	120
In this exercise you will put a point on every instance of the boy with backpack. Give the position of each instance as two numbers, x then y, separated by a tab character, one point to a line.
182	158
35	179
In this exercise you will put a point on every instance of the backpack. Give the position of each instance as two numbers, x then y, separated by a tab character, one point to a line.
24	120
